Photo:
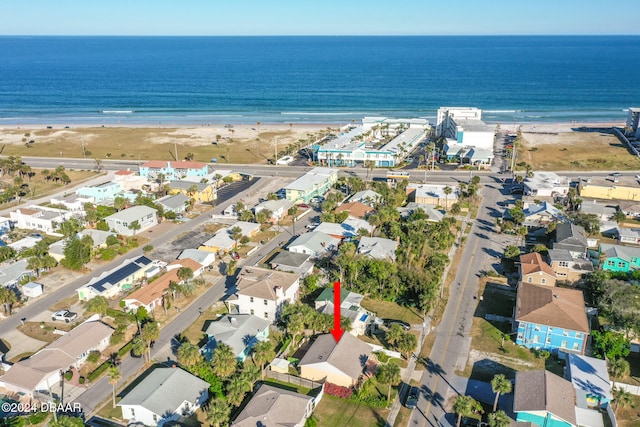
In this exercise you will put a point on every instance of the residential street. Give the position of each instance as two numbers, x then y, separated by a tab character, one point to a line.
164	347
47	300
451	348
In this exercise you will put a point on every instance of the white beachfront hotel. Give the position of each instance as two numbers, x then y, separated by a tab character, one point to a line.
468	137
356	146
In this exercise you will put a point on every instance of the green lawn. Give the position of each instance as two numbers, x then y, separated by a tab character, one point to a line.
333	411
391	310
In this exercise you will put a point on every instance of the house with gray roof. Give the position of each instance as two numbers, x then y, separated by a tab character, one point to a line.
378	248
98	237
542	214
120	222
544	399
604	213
176	203
164	395
42	370
278	208
367	197
314	243
434	214
263	292
272	406
204	258
347	229
239	331
292	262
12	273
619	258
571	237
340	363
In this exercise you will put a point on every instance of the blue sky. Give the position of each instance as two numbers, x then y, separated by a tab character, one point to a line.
309	17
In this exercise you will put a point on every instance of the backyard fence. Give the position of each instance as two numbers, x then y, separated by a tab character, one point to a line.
633	389
291	379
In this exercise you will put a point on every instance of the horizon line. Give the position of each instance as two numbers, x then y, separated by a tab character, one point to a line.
331	35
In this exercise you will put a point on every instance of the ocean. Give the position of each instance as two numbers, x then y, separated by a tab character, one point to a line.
199	80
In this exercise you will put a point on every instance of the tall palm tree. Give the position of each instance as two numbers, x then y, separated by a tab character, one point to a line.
236	234
185	274
447	190
295	326
499	419
219	411
388	373
7	298
262	353
138	346
622	398
250	373
114	376
188	354
618	368
236	389
500	385
150	332
223	361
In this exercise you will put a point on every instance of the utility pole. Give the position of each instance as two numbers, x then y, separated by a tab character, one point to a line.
275	148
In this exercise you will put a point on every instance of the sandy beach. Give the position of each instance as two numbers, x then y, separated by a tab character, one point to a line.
547	146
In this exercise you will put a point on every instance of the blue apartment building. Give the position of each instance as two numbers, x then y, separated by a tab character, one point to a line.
550	318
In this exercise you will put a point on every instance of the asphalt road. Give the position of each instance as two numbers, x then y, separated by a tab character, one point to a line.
47	300
165	346
482	251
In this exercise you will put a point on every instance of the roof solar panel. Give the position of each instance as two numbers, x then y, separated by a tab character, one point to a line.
121	273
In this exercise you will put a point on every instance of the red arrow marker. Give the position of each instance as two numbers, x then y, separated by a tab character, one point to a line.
336	331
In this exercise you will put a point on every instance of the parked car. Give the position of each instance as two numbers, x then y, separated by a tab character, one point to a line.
412	398
64	315
616	174
303	206
517	190
389	322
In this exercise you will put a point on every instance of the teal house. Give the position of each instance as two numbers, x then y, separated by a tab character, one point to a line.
544	399
619	258
239	331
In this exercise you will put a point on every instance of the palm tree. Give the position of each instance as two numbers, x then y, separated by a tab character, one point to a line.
236	235
394	334
219	412
98	305
114	376
8	297
618	368
388	373
135	226
138	346
223	361
407	344
150	332
119	203
251	373
236	389
500	385
188	354
295	326
464	405
619	216
623	398
262	353
369	164
447	190
185	274
499	419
